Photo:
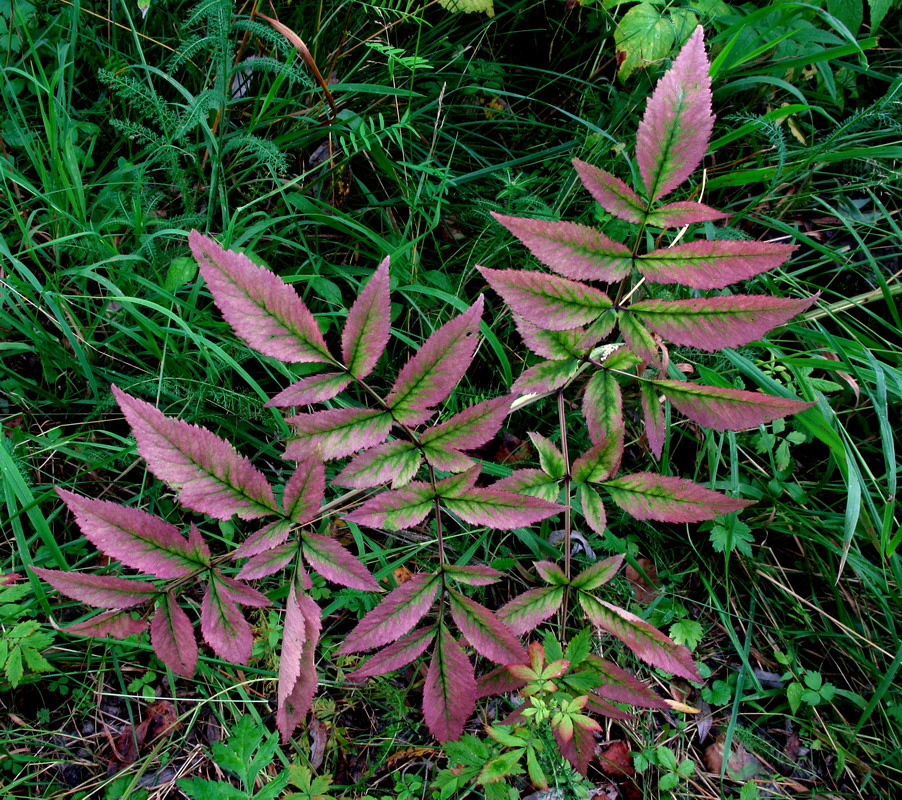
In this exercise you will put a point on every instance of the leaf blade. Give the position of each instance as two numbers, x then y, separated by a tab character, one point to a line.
449	694
337	432
645	495
485	632
368	326
172	637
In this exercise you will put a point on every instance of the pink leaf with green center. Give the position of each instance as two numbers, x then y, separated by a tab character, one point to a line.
305	489
337	432
605	709
100	591
529	609
611	193
593	509
172	637
712	323
599	462
337	564
224	627
368	325
297	698
645	495
546	376
314	389
397	461
239	592
449	693
138	539
208	473
551	573
621	687
498	681
653	414
447	460
638	339
572	250
472	574
647	642
556	345
712	264
470	428
269	562
685	212
598	574
396	655
727	409
549	301
484	631
399	508
433	372
395	615
500	509
266	538
579	749
674	131
109	624
551	460
531	482
603	408
261	308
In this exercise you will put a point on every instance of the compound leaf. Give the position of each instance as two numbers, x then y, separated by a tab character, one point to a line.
598	574
337	432
449	694
685	212
261	308
603	409
555	345
368	325
172	637
533	482
266	538
208	473
472	574
268	562
500	509
653	414
572	250
593	509
470	428
599	462
546	376
550	458
645	495
621	687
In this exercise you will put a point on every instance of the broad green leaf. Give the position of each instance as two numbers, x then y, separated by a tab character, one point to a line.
646	34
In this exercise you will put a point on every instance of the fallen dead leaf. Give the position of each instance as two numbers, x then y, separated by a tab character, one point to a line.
615	758
645	592
741	765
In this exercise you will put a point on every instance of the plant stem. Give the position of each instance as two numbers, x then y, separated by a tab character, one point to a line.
568	521
438	521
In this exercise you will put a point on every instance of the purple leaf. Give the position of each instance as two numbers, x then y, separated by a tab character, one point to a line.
500	509
109	624
638	339
397	461
298	697
305	489
261	308
579	749
433	372
556	345
712	264
621	687
337	432
602	707
598	574
685	212
498	681
712	323
531	482
396	655
653	414
603	409
647	642
593	509
599	462
574	251
224	627
484	631
239	592
611	193
395	615
368	325
549	301
396	509
727	409
546	376
527	610
472	574
449	694
100	591
673	134
645	495
446	459
172	637
265	539
138	539
269	562
551	573
335	563
315	389
470	428
208	473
